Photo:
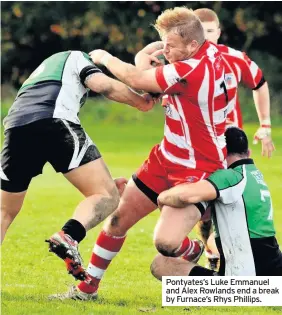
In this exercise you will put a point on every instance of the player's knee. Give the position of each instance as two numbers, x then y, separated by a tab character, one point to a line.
165	248
112	198
156	266
115	197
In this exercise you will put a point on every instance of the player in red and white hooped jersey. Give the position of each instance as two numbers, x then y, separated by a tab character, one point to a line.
242	69
211	25
190	150
195	89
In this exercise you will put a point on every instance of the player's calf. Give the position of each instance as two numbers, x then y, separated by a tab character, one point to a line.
190	250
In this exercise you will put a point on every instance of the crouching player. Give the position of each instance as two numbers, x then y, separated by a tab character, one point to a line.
242	217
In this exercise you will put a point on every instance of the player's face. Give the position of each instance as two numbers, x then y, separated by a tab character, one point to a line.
212	31
175	48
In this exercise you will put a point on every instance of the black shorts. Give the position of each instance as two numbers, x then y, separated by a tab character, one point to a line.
27	148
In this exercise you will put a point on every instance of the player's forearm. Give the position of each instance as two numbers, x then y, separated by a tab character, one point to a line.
121	93
125	72
180	196
166	199
185	194
262	103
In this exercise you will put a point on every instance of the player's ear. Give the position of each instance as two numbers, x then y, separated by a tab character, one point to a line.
218	32
249	153
194	44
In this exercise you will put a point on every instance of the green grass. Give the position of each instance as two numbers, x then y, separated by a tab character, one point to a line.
30	273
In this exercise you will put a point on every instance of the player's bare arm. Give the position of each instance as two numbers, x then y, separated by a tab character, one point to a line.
127	73
146	57
182	195
119	92
262	103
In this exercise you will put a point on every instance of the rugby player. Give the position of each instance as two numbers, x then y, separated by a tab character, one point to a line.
191	149
242	70
43	126
242	216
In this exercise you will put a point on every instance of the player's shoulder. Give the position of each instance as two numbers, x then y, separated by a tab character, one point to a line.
79	53
232	52
227	177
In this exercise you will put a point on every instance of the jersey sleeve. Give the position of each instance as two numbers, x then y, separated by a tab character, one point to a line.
229	184
172	78
250	73
84	66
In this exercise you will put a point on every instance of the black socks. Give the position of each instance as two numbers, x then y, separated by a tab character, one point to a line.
75	229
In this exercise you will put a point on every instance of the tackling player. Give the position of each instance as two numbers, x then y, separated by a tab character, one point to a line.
242	217
43	126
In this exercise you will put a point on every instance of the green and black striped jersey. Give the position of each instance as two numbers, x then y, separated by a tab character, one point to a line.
54	90
243	220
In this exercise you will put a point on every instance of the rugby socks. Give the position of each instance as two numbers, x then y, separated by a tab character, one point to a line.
75	230
105	249
187	248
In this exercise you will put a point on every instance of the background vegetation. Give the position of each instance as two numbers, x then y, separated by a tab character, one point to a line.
33	30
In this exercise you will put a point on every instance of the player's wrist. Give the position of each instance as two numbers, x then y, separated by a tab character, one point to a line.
105	59
265	123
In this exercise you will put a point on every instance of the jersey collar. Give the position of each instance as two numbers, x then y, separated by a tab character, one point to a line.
202	50
241	162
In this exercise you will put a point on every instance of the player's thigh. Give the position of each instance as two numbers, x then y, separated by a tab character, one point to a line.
92	178
73	153
11	203
21	157
175	223
134	205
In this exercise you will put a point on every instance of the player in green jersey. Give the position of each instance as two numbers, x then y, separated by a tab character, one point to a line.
242	215
43	126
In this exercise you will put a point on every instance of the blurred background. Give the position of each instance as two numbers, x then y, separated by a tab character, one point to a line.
34	30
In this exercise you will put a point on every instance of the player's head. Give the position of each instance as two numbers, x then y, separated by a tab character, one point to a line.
236	144
210	24
182	33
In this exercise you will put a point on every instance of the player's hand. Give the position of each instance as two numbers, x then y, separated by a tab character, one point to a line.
148	103
263	134
144	61
120	183
98	55
229	122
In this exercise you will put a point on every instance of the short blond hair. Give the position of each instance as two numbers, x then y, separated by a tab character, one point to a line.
183	21
207	15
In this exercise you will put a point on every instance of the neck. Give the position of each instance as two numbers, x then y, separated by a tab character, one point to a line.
197	49
234	158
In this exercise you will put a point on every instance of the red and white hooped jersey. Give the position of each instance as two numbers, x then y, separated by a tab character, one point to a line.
195	91
242	69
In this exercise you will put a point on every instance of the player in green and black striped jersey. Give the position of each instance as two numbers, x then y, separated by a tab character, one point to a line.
242	215
43	126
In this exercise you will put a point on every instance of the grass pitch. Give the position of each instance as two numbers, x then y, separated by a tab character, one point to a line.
30	273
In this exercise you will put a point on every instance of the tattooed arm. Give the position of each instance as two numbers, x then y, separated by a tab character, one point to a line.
117	91
127	73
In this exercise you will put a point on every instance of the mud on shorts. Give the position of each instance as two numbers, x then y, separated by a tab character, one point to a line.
27	148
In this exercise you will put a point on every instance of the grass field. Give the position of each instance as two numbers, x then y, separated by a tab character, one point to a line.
30	273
